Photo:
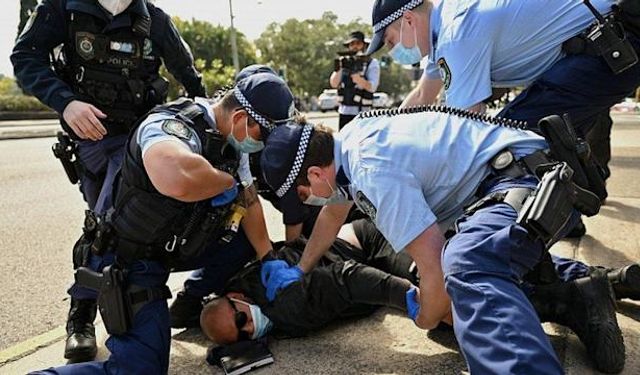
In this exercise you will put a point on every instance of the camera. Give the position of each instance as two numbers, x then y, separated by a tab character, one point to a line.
350	62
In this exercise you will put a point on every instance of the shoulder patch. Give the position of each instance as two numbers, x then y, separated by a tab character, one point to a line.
445	72
177	128
365	205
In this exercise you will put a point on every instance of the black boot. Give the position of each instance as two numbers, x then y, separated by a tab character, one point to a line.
578	230
626	281
81	335
185	311
587	306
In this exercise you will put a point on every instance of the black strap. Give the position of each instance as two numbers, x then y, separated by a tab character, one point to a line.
140	296
514	197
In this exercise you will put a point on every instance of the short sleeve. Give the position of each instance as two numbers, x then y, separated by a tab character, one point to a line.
396	204
465	70
431	71
244	170
155	130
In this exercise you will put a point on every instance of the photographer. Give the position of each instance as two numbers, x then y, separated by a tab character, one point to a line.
356	76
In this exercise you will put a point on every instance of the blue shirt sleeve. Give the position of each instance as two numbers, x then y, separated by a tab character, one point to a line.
373	74
244	171
431	71
30	57
401	211
467	62
151	132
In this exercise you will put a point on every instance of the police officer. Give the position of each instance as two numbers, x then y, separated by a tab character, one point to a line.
412	191
186	308
178	186
105	77
355	87
473	46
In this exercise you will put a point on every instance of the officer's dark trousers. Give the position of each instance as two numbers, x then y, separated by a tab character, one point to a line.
581	85
497	328
101	161
145	348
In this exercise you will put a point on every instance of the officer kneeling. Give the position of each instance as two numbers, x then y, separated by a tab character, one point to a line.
418	171
176	208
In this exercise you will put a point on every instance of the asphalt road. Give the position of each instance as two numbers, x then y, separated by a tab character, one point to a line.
41	216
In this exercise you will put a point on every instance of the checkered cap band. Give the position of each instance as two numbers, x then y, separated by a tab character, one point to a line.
252	112
395	15
297	162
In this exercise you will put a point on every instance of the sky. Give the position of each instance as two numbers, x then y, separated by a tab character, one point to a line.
251	16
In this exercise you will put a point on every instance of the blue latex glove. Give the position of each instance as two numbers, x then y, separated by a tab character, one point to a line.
413	306
277	275
226	196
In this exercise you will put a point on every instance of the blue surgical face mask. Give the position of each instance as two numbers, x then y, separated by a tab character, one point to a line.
338	196
404	55
261	324
248	144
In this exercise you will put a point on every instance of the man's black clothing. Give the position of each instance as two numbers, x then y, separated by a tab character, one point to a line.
347	282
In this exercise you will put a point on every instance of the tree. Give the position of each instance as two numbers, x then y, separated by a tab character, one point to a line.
213	42
305	51
211	48
26	8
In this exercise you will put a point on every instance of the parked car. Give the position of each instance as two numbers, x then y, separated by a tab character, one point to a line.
328	100
382	100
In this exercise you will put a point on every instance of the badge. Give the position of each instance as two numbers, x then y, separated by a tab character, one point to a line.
85	45
30	21
365	205
177	128
445	72
122	47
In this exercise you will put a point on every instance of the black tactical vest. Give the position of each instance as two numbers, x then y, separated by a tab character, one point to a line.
114	70
150	225
350	94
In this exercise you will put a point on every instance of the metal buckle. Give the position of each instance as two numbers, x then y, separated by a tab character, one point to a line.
80	74
171	245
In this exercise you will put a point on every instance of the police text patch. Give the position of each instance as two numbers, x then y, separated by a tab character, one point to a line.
365	205
445	72
177	128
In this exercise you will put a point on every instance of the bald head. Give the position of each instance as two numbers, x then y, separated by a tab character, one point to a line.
218	319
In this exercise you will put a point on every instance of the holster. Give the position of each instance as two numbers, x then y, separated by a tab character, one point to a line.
566	147
547	211
118	303
111	300
65	150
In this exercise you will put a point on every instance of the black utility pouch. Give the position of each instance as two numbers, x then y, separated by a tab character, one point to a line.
610	41
607	37
546	212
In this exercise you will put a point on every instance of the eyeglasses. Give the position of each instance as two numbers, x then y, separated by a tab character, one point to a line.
240	319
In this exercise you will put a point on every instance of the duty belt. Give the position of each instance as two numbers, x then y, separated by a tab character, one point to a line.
505	164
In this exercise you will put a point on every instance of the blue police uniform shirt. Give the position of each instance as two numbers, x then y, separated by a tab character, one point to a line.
411	171
372	75
151	132
477	44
